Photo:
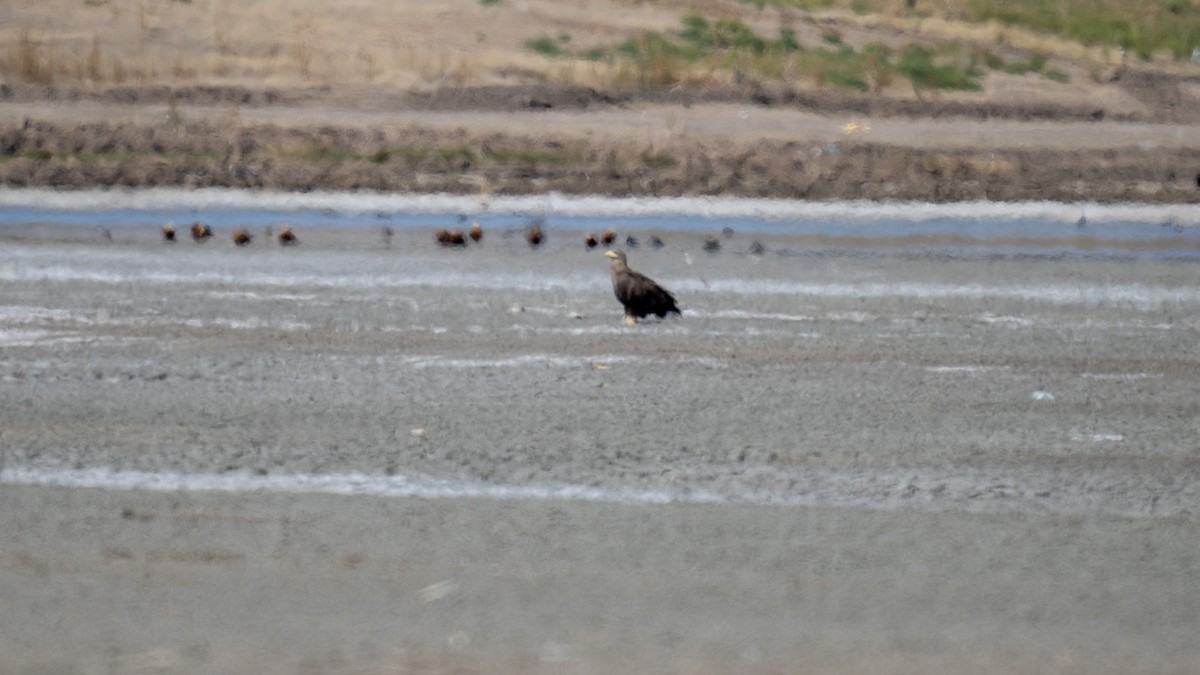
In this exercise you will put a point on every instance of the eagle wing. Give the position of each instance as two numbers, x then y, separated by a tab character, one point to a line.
642	296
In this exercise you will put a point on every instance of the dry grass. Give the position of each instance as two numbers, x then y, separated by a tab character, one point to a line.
287	43
424	43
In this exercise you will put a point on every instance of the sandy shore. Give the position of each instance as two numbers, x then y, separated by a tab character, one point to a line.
359	457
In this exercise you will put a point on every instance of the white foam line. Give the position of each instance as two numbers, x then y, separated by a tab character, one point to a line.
964	369
1133	294
743	314
877	491
1137	294
31	338
334	484
550	361
251	295
588	205
522	282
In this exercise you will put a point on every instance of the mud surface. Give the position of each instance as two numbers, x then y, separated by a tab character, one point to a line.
1135	147
865	463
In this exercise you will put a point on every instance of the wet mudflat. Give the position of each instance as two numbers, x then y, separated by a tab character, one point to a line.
359	455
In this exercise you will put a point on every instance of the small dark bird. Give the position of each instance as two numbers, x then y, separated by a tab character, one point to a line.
287	237
757	248
201	231
639	294
655	242
386	233
242	237
533	235
712	244
727	231
631	242
168	231
608	236
476	231
589	240
450	237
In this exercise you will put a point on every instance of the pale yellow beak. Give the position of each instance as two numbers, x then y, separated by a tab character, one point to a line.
610	254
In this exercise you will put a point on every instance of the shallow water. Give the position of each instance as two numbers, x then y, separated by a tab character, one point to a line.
926	356
959	229
265	456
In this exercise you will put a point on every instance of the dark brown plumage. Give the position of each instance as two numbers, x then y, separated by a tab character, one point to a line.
242	236
589	240
712	244
533	235
450	237
286	236
200	231
638	293
168	231
608	236
476	231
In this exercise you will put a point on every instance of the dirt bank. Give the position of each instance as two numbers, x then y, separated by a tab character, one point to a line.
522	140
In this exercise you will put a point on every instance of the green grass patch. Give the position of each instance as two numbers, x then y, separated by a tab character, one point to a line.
922	66
1141	26
657	160
532	156
702	46
547	46
456	154
1036	63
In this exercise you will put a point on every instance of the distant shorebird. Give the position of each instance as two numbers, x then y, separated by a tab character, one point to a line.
589	240
533	235
242	236
757	248
712	244
608	236
201	231
286	236
168	232
476	231
655	242
449	237
631	242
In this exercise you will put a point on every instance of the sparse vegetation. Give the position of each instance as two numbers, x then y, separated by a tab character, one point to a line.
702	47
1143	27
813	41
546	46
922	67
